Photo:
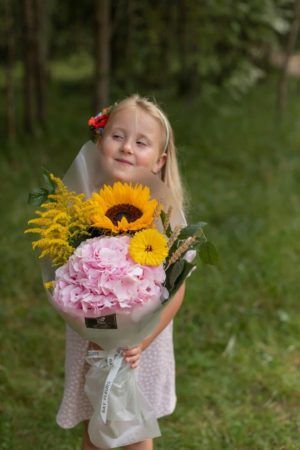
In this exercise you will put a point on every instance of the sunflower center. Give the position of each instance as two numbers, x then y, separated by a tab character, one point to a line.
149	248
130	212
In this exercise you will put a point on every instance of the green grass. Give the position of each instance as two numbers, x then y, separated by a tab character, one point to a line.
237	335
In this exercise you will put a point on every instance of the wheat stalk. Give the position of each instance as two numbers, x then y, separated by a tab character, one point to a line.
174	235
167	218
181	249
157	212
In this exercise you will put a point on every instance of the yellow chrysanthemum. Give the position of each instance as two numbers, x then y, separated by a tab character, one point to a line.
123	207
148	247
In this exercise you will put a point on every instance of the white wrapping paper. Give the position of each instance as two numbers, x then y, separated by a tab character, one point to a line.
126	416
122	415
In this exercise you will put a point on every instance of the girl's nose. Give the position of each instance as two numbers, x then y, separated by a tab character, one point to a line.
126	147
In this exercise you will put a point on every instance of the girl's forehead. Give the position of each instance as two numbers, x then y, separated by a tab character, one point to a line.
135	118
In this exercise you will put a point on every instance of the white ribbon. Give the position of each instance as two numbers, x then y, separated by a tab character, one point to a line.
113	360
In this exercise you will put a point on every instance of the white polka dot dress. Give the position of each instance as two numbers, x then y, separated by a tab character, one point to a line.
155	376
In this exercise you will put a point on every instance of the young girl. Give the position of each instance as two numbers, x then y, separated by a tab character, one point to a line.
137	134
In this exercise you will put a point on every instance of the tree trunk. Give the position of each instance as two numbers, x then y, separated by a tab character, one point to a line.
40	30
183	78
130	29
29	64
10	113
291	43
165	38
102	52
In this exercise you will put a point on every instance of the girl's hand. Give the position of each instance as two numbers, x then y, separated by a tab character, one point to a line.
132	355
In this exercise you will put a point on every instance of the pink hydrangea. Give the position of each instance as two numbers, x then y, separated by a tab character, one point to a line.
100	277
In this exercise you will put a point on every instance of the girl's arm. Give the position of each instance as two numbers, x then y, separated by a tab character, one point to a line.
132	355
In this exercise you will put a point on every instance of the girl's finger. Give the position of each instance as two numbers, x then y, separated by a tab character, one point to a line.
133	362
132	358
131	352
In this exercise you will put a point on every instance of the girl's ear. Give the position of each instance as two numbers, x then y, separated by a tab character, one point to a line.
159	163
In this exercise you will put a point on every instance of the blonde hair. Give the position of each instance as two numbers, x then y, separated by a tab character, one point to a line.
170	171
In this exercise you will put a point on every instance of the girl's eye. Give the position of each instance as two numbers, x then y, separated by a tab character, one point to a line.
117	136
142	143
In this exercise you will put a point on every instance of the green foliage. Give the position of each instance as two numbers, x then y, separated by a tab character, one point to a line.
198	45
191	237
188	45
208	253
40	195
193	229
177	274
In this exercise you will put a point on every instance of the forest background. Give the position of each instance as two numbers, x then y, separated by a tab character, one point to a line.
227	74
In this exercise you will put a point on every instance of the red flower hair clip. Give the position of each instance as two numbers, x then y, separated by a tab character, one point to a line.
98	122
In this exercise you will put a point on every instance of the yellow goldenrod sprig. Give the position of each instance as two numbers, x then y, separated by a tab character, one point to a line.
63	218
49	284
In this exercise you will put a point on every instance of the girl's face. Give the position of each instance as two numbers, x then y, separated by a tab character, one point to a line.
132	138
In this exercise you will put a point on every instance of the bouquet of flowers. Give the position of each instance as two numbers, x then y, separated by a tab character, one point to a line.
117	263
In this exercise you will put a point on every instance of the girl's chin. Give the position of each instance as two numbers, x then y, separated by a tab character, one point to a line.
123	174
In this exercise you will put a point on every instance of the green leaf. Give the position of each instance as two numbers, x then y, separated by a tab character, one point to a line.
38	196
163	216
191	230
181	276
176	270
50	185
208	253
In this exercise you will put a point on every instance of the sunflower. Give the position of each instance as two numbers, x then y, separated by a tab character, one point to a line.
123	207
148	247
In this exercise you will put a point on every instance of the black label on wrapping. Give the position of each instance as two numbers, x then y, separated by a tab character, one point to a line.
102	323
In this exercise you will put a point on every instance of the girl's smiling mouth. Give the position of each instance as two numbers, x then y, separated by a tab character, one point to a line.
124	161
